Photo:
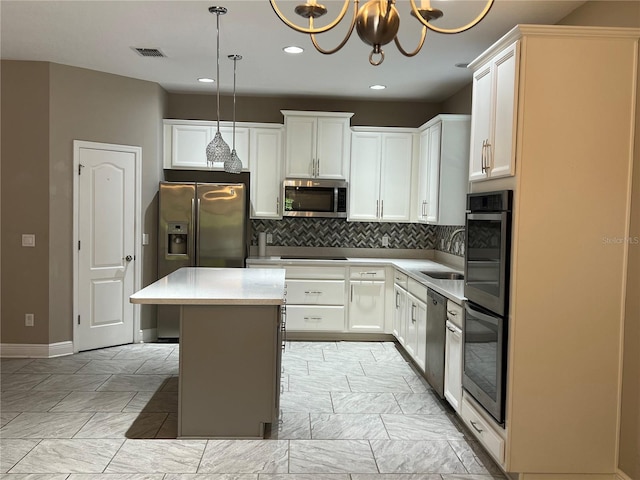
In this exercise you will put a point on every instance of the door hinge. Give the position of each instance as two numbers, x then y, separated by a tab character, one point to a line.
78	319
80	167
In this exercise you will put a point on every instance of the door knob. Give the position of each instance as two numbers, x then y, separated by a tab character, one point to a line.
128	258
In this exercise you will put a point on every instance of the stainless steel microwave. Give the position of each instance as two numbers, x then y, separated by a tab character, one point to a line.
314	198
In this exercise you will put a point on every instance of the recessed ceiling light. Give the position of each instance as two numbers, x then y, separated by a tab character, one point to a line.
378	87
206	80
293	49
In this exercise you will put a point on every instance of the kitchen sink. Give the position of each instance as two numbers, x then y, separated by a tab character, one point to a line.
440	275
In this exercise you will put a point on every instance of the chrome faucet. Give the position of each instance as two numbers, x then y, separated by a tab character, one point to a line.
455	232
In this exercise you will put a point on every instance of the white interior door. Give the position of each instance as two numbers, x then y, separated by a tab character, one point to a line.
106	229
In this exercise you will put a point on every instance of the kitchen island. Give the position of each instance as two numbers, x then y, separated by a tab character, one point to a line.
230	347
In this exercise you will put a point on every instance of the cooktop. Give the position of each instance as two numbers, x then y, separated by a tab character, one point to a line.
312	257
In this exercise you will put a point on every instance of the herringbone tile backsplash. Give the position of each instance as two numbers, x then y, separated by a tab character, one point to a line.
338	233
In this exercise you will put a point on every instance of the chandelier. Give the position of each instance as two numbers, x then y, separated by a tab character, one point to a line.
377	23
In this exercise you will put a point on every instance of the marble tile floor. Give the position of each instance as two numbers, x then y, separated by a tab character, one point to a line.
349	411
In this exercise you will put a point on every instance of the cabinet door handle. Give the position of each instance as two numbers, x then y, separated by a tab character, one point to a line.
452	330
278	205
313	318
381	208
488	157
473	424
351	299
484	145
313	292
377	208
397	299
413	313
317	167
453	314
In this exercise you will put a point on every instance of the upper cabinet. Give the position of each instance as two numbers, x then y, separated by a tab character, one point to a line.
317	144
443	170
185	143
266	178
259	146
493	113
380	181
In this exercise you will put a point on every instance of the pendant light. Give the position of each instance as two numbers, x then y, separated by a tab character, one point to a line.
218	151
234	164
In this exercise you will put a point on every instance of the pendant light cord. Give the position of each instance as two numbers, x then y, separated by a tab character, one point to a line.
218	67
235	61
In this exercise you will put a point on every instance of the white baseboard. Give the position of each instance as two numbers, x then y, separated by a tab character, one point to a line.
149	335
620	475
43	350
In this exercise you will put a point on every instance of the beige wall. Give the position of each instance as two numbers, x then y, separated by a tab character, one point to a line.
267	109
25	200
80	105
460	103
625	14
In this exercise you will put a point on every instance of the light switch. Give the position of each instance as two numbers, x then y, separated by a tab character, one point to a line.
145	239
28	240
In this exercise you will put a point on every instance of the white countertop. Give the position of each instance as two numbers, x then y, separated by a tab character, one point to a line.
215	286
452	289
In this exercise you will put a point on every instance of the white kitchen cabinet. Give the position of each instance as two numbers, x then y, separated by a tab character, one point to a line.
416	338
259	146
453	356
416	324
317	144
400	307
443	170
185	143
493	113
366	299
380	180
315	298
266	179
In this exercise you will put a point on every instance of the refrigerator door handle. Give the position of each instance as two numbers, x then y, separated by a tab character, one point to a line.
197	240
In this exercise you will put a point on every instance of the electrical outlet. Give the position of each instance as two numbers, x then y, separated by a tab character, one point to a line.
385	240
28	319
269	238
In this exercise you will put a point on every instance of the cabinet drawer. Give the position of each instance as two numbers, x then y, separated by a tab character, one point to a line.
417	289
366	273
483	431
454	313
400	279
315	318
315	292
316	273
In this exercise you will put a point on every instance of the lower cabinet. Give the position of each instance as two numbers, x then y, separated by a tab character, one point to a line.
366	299
416	323
400	307
482	428
325	318
453	366
315	299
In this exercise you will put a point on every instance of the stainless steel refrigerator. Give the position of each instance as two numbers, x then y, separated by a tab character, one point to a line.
199	225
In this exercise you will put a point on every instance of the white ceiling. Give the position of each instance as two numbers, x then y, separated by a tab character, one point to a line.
100	35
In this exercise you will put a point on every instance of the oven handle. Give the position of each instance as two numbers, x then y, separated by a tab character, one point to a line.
500	216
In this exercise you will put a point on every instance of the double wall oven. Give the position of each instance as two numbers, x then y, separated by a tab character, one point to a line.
487	266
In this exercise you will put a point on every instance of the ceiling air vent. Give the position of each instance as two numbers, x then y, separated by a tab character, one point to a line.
149	52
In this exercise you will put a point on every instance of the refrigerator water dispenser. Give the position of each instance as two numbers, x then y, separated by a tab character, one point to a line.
177	238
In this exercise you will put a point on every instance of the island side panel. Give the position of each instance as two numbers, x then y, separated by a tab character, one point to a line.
229	364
